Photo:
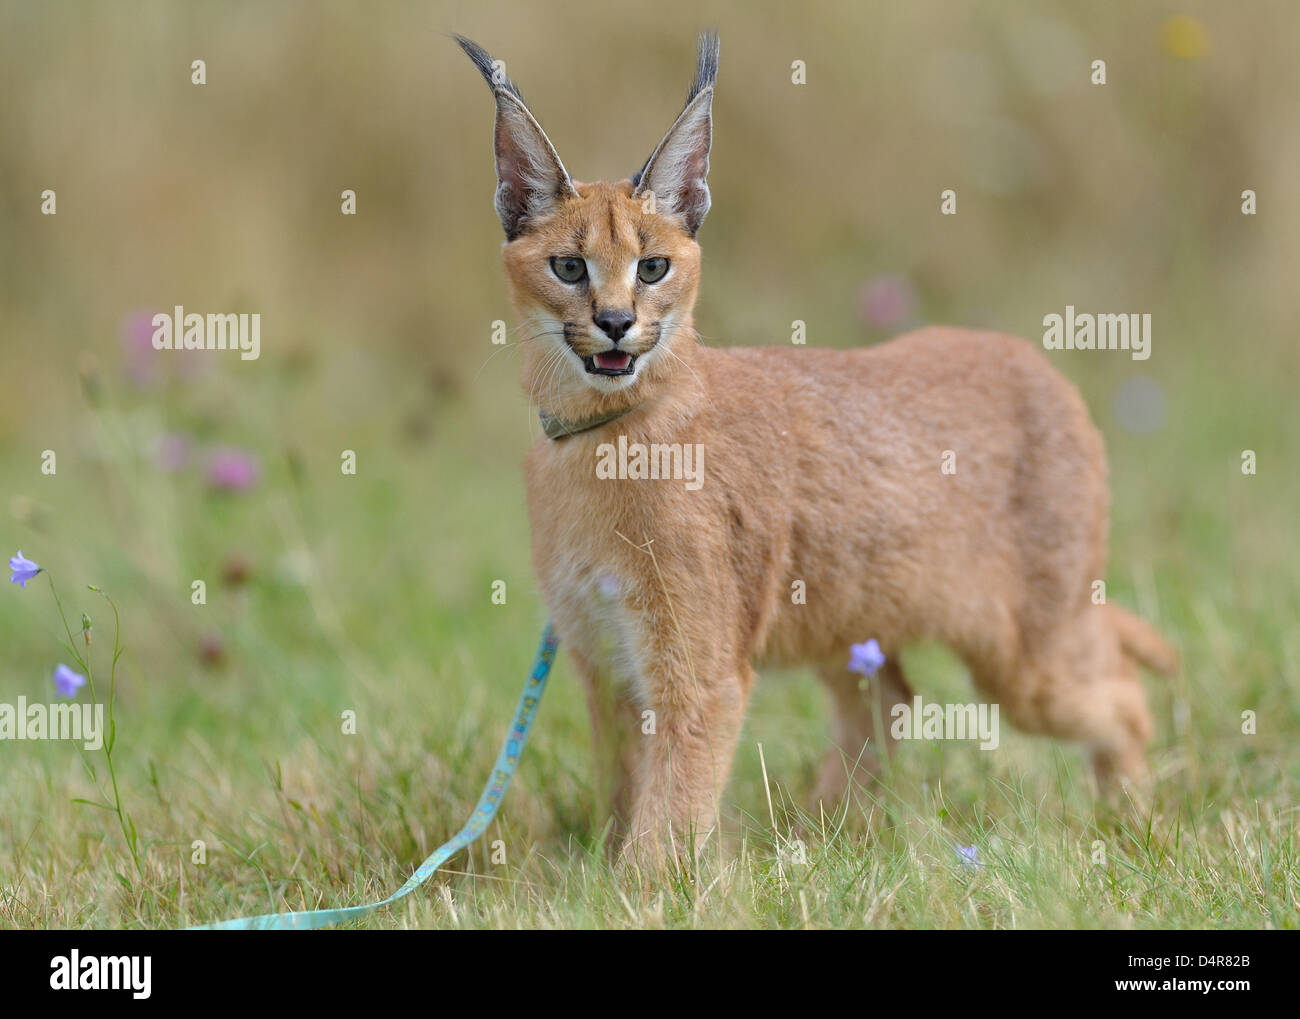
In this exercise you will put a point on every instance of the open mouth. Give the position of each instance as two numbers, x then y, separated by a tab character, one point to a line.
610	362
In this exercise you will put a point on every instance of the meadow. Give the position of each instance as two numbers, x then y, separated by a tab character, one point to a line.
328	593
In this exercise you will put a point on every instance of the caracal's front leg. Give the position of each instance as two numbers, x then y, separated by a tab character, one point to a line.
684	763
615	735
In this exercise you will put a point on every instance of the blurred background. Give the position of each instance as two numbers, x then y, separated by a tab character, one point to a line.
328	592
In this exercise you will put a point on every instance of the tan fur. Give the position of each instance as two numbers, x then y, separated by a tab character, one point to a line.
822	466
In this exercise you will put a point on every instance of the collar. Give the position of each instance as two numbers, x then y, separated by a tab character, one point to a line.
557	427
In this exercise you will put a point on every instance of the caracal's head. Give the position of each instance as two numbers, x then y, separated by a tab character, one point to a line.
603	276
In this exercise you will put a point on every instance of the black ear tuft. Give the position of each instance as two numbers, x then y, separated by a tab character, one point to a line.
531	180
706	64
491	70
676	174
706	76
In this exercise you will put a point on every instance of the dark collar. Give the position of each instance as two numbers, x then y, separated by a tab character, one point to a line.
557	427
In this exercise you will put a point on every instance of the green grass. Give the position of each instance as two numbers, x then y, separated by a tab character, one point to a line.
371	593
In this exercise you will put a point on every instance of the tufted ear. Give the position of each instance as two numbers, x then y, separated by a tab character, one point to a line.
677	172
531	180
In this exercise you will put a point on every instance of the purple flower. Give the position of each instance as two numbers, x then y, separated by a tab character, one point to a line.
68	682
866	658
24	569
233	470
969	856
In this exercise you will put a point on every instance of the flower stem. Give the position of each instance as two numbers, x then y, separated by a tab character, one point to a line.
72	644
122	819
124	822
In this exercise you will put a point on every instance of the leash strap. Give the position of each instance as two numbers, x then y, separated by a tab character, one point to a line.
488	805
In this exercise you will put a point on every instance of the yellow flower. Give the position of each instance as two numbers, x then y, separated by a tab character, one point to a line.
1185	38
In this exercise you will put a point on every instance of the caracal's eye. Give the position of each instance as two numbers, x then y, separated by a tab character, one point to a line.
569	268
652	270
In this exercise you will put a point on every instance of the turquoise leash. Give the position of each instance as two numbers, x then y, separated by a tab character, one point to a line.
488	805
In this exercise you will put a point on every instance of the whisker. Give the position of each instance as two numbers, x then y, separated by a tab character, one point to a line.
681	327
516	343
553	374
544	374
532	402
547	375
535	381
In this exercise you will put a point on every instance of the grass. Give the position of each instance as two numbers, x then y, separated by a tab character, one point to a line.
371	594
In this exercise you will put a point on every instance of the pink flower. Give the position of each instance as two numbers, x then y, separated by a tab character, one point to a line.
171	452
887	301
233	470
212	649
142	364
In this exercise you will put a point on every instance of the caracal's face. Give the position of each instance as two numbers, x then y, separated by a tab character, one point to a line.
603	275
604	289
